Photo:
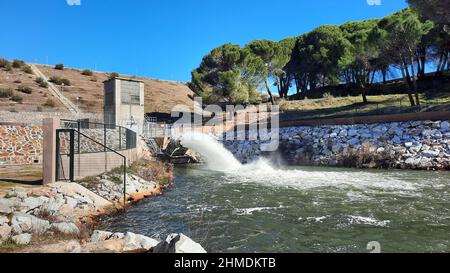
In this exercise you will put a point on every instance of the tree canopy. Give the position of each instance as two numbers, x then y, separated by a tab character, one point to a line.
352	54
435	10
229	73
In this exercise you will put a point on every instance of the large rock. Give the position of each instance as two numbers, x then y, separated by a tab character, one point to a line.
100	235
71	202
430	153
353	141
137	242
7	205
396	140
336	148
22	239
5	233
53	205
35	202
178	243
82	194
352	133
16	193
445	126
23	223
413	161
65	228
3	220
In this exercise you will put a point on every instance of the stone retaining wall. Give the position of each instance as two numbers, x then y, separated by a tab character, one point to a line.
403	145
20	144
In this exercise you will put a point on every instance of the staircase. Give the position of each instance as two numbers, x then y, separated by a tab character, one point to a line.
154	147
55	91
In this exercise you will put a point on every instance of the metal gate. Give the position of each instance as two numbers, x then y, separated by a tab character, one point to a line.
65	154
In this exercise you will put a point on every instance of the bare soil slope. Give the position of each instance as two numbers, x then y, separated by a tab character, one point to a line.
30	102
160	96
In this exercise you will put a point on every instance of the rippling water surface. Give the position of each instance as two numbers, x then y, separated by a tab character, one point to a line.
261	209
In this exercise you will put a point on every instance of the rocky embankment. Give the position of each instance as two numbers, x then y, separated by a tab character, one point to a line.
421	145
61	217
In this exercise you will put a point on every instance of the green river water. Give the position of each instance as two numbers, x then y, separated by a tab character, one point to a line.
263	209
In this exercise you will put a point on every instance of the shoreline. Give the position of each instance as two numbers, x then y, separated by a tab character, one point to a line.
63	217
413	145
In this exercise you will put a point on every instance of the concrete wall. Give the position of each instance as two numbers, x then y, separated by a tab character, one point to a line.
96	163
20	145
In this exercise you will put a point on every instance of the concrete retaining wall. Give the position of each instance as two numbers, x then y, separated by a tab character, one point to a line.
94	164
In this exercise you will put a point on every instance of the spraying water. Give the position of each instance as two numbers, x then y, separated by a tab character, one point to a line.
216	156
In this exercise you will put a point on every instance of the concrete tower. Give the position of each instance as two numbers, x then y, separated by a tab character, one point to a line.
124	103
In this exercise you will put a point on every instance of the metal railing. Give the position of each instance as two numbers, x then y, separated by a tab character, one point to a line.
397	106
155	129
115	137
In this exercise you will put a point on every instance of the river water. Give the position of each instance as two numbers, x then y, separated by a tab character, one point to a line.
259	208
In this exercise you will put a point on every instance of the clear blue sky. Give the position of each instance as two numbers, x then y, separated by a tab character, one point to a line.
163	39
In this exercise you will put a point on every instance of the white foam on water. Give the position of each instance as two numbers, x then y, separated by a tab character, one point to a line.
218	158
262	172
250	211
360	220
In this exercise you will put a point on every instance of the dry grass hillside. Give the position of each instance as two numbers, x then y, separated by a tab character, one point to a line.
14	100
160	96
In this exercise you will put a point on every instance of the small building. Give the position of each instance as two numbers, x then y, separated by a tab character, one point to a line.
124	103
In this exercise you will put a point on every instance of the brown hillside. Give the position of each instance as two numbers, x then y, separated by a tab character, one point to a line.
30	102
160	96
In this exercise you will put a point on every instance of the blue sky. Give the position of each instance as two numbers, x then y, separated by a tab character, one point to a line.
163	39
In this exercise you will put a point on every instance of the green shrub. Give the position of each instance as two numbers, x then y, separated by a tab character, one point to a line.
87	72
66	82
41	82
6	92
56	80
4	63
18	63
17	98
25	89
27	69
59	81
39	109
49	103
59	67
113	75
8	67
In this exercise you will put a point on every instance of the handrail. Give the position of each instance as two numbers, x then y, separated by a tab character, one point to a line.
97	123
124	165
130	142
